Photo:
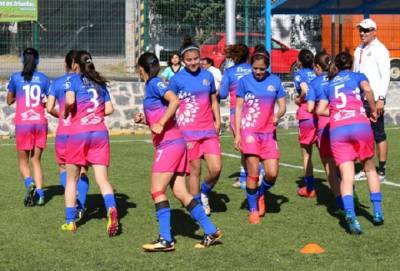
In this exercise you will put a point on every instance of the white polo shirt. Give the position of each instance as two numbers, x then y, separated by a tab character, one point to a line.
374	61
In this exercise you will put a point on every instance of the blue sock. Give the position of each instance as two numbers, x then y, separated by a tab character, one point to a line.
109	201
28	181
252	197
200	216
197	198
164	222
63	179
70	214
348	204
206	188
261	170
265	186
309	180
376	199
40	192
83	188
242	175
339	202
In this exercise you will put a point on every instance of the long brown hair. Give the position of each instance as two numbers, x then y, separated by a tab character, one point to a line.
85	63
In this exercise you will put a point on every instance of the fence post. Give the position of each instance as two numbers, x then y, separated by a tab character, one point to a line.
130	45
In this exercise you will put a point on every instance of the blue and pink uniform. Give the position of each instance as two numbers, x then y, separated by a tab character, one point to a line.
170	147
314	94
194	117
229	85
350	130
57	89
257	131
307	121
88	141
30	120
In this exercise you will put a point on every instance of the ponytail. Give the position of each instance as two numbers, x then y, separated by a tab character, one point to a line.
87	69
30	60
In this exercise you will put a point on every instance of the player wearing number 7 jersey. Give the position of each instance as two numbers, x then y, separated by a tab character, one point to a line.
87	102
351	134
29	89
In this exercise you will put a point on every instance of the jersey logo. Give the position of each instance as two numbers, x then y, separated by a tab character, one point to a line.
161	85
206	82
30	115
91	119
271	88
188	109
250	117
67	85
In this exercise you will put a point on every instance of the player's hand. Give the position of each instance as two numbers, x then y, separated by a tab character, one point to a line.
217	126
236	142
275	120
373	116
379	107
157	128
138	118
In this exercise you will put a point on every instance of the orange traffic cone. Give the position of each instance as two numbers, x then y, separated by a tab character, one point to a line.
312	248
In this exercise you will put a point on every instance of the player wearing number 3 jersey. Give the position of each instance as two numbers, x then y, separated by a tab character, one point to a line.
87	102
351	134
29	89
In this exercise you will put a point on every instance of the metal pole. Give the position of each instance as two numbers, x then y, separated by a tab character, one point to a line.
35	35
268	32
246	22
130	35
146	25
230	23
340	33
333	37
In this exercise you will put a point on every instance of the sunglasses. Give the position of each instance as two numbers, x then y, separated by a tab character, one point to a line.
365	30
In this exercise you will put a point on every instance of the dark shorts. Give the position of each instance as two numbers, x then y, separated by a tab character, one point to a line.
378	127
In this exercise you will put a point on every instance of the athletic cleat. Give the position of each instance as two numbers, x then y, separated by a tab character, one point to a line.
354	225
29	199
302	192
382	176
254	217
378	219
205	203
112	225
236	183
159	245
360	176
80	213
71	226
261	205
209	239
40	201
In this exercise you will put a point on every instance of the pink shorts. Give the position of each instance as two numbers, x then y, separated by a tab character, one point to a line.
263	145
307	131
171	157
88	148
30	136
197	149
324	143
352	142
61	144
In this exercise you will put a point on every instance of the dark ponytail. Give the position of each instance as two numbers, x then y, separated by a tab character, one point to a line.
30	59
69	58
150	64
85	63
343	61
323	60
239	53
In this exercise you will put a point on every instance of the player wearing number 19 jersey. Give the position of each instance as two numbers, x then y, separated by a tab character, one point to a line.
351	134
29	89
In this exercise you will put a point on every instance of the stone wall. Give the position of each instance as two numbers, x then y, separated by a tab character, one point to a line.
128	97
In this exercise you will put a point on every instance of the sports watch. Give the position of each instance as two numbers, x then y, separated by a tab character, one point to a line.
381	98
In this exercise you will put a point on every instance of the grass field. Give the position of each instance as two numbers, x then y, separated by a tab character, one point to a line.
31	239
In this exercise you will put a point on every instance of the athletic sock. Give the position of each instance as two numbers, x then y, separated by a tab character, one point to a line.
265	186
28	181
163	213
252	197
376	199
63	179
70	214
309	180
40	192
197	198
382	167
206	188
348	204
242	175
261	170
197	212
339	202
109	201
83	188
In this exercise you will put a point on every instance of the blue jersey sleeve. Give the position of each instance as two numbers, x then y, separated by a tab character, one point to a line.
173	85
213	90
323	92
362	77
74	85
11	85
281	91
46	85
310	96
107	97
52	91
224	89
160	89
241	91
297	81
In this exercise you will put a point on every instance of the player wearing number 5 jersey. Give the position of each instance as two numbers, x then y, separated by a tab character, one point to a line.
29	89
351	134
87	102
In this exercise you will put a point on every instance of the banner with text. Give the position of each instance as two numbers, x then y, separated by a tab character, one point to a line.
18	11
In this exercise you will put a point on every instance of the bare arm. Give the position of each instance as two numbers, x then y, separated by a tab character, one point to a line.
322	108
369	95
69	103
238	116
109	108
310	106
10	98
216	112
281	110
173	104
50	106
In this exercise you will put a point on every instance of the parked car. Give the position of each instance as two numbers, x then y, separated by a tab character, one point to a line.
283	57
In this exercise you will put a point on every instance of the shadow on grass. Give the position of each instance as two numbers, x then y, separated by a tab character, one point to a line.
95	208
183	224
52	191
273	202
218	202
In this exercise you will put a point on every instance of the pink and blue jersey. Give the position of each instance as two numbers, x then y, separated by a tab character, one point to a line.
259	97
194	117
304	75
315	92
155	107
345	99
230	83
30	98
57	89
88	114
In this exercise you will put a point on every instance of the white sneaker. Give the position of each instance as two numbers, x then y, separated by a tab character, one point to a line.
360	176
205	203
381	176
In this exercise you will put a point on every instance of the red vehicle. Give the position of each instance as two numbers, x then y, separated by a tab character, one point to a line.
283	57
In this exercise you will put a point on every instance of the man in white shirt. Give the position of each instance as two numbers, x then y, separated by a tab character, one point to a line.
372	58
208	64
